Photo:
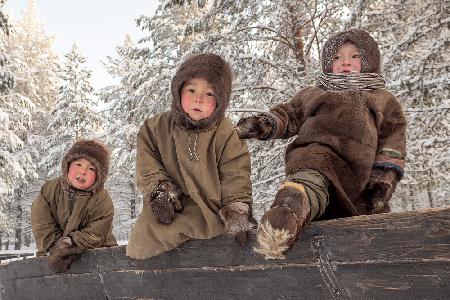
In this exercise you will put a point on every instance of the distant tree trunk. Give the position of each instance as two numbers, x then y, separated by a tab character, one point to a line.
430	195
297	43
133	200
27	240
411	197
18	230
7	242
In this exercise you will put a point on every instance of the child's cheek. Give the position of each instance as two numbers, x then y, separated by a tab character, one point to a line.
71	174
91	178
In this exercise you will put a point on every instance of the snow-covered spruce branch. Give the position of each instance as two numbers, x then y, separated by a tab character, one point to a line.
231	110
268	179
437	108
259	87
10	95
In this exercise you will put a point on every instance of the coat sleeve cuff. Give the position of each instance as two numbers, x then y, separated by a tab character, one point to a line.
390	159
274	125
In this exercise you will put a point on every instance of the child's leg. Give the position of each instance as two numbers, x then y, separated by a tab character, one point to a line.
316	188
301	198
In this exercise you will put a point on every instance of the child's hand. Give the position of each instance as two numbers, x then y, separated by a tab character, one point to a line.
259	126
165	201
381	185
163	208
62	254
237	220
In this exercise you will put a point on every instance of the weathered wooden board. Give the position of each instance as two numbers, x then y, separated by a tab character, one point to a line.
388	256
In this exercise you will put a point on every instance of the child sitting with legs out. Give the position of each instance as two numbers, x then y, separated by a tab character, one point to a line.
349	150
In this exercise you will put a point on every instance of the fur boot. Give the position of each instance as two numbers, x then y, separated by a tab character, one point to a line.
238	221
281	225
62	255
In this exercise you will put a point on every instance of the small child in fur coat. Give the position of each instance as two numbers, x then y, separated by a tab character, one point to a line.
191	166
349	150
74	212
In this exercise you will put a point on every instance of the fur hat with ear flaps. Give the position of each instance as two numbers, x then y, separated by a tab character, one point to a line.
368	48
94	151
218	73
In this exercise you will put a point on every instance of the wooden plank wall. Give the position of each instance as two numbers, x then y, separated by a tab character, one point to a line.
388	256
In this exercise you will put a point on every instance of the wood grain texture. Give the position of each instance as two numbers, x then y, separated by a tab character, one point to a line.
387	256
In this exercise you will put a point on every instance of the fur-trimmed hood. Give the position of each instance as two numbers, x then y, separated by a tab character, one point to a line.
368	48
94	151
218	73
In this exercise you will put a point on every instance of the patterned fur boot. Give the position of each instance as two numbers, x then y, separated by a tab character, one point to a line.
281	225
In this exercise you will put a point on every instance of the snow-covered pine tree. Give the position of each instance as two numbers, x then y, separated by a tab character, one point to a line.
6	77
33	60
121	129
34	64
73	117
16	167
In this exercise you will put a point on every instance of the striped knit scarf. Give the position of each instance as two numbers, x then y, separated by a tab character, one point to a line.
352	81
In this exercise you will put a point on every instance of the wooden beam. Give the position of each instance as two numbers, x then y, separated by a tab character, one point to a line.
388	256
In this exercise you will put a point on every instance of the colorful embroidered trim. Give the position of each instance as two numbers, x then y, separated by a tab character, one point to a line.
385	158
386	165
391	153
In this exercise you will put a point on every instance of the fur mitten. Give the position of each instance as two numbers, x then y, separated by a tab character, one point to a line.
238	220
165	200
62	255
281	225
379	189
260	126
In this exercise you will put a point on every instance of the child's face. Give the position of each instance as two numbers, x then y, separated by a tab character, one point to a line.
82	174
197	98
347	59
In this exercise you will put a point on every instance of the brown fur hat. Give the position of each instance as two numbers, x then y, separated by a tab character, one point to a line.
218	73
94	151
368	48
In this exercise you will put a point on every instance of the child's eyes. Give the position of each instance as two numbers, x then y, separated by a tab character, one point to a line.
337	57
92	169
209	94
78	164
356	56
191	91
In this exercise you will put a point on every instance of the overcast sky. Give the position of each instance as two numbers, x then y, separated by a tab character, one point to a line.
96	26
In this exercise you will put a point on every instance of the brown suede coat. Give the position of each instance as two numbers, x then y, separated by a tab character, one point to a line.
221	175
342	134
83	215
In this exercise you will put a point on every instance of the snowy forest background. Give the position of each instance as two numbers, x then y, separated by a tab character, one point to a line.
273	46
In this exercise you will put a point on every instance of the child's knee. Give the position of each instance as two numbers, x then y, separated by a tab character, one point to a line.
316	188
